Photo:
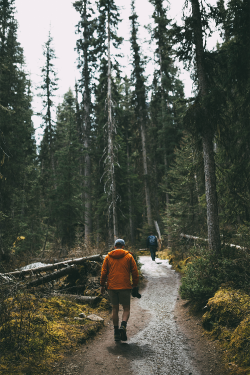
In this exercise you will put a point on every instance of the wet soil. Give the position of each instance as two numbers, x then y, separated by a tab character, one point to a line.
163	338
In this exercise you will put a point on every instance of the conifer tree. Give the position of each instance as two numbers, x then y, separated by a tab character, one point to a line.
86	63
167	89
47	147
109	18
17	146
186	212
67	145
232	78
139	99
199	117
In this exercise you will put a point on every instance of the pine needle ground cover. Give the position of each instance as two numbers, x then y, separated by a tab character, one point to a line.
37	332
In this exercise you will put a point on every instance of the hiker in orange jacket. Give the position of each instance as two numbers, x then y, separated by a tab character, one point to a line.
116	270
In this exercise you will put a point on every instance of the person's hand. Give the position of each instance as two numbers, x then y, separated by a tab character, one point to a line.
135	292
102	289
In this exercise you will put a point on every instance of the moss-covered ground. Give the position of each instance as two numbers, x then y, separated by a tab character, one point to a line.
36	332
227	318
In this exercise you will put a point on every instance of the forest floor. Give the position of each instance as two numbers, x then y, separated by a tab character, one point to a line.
163	337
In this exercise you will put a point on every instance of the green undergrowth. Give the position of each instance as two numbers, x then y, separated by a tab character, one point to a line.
176	260
228	320
222	283
35	331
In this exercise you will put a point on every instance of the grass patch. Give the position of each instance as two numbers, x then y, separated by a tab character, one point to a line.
35	332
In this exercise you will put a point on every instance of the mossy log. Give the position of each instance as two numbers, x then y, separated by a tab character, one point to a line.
57	266
52	276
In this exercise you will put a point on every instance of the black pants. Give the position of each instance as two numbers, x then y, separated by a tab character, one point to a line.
153	250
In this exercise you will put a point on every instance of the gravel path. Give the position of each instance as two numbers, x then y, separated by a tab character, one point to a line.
162	338
165	349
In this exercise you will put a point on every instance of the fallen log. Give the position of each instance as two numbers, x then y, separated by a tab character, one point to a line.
78	298
205	239
49	267
76	288
52	276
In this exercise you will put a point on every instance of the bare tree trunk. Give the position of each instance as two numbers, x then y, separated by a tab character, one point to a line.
131	223
87	164
111	132
145	174
207	139
80	135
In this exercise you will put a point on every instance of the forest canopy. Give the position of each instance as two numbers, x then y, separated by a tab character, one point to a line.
122	153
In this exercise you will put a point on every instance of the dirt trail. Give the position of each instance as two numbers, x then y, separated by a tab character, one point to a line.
162	338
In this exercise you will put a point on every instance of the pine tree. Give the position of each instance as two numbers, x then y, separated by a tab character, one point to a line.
139	94
17	145
47	147
66	211
186	211
232	77
86	63
109	18
200	116
165	130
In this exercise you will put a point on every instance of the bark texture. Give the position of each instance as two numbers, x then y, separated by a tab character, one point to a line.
145	174
111	131
207	137
87	130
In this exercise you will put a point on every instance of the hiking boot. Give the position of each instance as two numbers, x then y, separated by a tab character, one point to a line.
123	333
117	335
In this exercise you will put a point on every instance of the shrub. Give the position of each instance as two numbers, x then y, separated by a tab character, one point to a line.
206	272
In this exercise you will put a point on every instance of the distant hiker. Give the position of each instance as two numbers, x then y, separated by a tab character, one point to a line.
116	270
152	244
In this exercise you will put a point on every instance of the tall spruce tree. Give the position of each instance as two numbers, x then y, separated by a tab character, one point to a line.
17	145
109	19
166	127
200	116
86	63
231	68
139	99
67	196
47	147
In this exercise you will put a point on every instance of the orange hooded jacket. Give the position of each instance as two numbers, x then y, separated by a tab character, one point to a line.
116	269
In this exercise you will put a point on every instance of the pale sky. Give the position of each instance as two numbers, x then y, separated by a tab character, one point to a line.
36	18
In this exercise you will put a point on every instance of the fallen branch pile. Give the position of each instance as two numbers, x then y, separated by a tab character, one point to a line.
54	266
82	274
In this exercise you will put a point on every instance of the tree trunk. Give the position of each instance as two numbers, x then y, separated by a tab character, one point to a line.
80	135
145	174
111	132
131	224
54	266
207	139
87	164
53	276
